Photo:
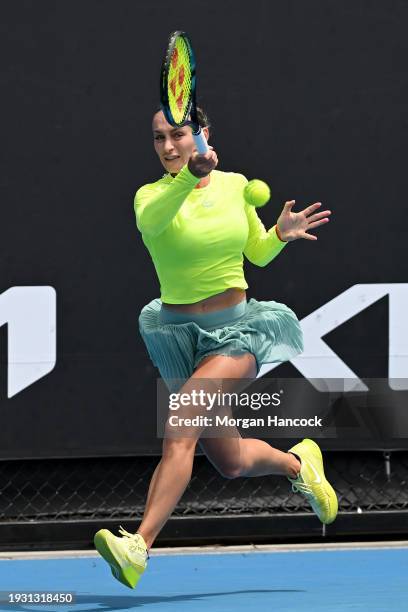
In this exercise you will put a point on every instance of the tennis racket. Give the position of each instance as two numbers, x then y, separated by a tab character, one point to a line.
178	87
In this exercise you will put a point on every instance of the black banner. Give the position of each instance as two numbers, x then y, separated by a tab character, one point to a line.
309	98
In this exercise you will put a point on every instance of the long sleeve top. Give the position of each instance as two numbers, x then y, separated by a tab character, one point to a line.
197	237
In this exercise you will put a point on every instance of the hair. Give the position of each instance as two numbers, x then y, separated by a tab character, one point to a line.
203	119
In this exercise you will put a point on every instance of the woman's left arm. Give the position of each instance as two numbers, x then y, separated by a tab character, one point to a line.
263	246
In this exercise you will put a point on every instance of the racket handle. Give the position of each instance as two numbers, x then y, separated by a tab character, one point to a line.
200	142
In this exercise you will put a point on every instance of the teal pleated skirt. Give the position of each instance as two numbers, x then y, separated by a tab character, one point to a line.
176	342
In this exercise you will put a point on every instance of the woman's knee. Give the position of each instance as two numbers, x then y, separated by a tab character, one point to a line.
178	447
225	453
230	470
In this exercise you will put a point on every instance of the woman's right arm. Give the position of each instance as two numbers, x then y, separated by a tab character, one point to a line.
155	211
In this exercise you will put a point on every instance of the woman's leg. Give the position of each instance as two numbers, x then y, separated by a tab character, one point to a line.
234	456
151	486
173	473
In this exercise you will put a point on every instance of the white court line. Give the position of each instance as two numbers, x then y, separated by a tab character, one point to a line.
210	550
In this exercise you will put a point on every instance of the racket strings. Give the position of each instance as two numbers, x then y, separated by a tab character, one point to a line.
180	81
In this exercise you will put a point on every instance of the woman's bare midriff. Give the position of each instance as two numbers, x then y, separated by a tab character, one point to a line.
227	298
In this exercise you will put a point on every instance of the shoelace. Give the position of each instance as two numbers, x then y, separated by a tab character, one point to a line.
135	537
301	487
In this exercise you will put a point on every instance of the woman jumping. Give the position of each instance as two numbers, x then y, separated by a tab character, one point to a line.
197	226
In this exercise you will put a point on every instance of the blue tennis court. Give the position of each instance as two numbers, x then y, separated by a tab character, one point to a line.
364	579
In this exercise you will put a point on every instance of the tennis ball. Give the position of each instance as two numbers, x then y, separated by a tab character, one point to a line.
257	193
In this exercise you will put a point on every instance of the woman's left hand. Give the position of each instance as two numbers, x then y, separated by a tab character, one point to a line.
292	225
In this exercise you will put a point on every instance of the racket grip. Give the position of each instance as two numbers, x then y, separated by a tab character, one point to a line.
200	142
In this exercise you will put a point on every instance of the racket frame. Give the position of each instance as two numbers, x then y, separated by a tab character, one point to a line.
191	109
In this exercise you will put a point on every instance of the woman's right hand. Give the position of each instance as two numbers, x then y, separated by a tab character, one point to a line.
201	164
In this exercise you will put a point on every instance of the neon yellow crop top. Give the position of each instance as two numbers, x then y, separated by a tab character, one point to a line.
197	237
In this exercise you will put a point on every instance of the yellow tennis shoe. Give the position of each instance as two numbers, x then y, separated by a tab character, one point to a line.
127	556
311	481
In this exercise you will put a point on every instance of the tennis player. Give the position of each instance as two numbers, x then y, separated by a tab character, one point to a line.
197	226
